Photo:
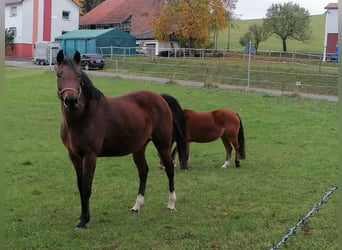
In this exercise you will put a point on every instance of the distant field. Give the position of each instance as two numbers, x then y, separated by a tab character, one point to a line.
274	43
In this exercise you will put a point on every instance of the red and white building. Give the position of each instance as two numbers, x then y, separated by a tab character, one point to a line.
331	30
38	20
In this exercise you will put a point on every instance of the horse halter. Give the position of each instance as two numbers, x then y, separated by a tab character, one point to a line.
60	92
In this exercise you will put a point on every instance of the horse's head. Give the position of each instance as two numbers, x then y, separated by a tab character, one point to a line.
69	82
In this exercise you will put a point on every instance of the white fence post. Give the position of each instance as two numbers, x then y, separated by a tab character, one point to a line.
249	62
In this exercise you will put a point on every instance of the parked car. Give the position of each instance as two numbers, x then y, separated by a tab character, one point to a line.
92	61
141	51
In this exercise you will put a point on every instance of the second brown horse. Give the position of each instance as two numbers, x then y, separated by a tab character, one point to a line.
208	126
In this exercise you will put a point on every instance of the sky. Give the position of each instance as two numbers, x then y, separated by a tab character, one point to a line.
256	9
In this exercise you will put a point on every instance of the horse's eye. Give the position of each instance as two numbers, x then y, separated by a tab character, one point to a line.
59	74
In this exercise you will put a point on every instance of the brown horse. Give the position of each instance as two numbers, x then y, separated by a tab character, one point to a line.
209	126
95	125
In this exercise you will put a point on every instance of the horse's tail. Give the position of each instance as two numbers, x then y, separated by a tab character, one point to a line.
179	129
241	139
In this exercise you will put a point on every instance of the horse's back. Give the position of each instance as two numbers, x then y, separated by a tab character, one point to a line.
226	117
143	100
205	126
201	126
133	119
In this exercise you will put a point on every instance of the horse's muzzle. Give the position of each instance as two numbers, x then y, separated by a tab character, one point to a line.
71	103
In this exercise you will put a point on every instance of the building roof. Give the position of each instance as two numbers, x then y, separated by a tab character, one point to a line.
142	12
77	2
13	1
87	34
331	6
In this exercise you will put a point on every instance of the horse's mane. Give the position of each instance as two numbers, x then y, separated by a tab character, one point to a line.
88	88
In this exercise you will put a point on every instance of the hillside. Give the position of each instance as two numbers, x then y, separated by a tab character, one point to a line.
274	43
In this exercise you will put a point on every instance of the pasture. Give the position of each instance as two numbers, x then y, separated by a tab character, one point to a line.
291	146
314	44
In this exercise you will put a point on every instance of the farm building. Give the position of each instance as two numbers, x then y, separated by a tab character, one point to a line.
132	16
331	31
38	21
103	41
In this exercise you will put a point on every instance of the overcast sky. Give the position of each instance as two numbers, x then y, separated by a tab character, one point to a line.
256	9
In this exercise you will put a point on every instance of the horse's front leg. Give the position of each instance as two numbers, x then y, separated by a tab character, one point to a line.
85	169
140	162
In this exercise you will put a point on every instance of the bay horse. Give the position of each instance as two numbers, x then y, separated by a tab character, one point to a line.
97	126
208	126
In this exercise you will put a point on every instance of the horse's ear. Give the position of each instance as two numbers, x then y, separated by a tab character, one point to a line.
60	56
77	57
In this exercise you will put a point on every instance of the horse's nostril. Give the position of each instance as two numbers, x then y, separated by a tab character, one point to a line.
70	100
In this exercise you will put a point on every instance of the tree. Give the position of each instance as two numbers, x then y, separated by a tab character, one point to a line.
88	5
190	22
288	21
256	34
9	37
231	17
245	38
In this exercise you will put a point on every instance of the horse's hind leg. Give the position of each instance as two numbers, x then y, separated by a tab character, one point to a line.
228	148
140	162
237	155
165	156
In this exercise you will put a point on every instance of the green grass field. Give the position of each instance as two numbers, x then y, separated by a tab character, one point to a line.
291	162
315	44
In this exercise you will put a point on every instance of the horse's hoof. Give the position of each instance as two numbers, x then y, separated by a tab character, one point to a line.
172	208
80	226
134	210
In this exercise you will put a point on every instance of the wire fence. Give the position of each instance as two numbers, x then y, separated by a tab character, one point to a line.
288	56
285	73
293	230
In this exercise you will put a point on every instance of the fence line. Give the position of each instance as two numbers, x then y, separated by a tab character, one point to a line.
292	56
302	220
261	76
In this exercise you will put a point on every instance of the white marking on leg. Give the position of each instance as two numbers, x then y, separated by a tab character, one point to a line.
139	202
226	164
172	201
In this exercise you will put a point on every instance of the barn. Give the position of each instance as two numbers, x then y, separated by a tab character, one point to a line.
103	41
331	31
133	16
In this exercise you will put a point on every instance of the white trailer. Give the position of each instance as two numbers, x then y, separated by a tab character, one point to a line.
45	53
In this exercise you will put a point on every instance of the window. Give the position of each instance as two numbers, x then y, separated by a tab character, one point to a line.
66	15
13	11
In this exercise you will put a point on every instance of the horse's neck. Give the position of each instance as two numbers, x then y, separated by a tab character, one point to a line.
84	114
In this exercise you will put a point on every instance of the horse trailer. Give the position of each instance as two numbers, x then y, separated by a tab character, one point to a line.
44	52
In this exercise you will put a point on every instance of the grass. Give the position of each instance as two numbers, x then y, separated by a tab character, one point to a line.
264	74
291	161
315	44
271	72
